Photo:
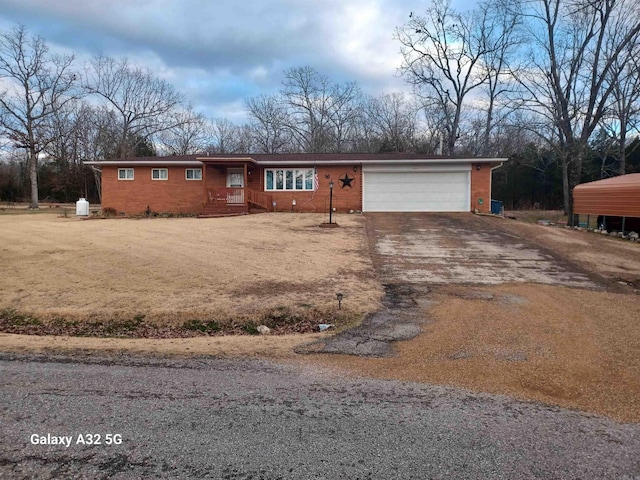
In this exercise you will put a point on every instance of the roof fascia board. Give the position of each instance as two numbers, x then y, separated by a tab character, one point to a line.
135	163
199	161
226	159
394	161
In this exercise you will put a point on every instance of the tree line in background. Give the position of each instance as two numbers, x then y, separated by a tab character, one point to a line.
552	84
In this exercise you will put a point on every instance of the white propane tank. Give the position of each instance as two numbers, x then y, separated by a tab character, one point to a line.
82	208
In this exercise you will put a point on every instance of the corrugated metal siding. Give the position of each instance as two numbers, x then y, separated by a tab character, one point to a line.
619	196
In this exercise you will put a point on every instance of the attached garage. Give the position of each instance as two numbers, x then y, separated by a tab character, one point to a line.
416	188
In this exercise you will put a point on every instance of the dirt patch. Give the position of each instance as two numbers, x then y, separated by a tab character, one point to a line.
569	347
172	271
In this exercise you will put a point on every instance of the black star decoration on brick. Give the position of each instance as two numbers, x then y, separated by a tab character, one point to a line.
346	181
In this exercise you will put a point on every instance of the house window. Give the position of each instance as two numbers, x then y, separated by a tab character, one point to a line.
159	174
193	174
125	174
288	179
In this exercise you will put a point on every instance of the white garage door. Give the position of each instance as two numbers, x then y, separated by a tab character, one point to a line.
416	189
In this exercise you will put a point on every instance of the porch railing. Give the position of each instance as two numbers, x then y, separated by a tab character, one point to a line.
236	196
230	196
260	199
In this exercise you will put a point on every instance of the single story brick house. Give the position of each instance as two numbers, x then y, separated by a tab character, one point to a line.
301	182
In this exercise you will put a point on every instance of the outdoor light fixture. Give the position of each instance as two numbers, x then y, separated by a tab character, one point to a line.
339	296
478	167
330	201
355	169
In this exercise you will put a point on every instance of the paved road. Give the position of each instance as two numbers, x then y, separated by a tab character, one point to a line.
206	418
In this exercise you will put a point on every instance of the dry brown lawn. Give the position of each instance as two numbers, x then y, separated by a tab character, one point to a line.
172	270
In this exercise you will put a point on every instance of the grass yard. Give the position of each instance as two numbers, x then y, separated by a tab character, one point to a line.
150	277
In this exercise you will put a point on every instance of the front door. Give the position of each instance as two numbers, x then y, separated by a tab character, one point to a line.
235	178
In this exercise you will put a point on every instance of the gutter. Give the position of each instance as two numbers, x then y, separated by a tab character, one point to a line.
267	163
147	163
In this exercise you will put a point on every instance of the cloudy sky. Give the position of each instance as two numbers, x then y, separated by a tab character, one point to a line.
219	52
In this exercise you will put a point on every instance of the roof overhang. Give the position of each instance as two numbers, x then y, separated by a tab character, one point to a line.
226	160
148	163
199	161
394	161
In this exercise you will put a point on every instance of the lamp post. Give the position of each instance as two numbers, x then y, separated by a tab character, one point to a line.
330	201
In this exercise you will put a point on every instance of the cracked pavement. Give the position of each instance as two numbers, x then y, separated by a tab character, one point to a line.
414	252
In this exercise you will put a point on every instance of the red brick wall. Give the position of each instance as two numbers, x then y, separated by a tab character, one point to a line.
214	178
481	187
218	179
344	199
175	195
178	195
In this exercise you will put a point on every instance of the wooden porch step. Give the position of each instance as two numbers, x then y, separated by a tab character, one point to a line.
219	210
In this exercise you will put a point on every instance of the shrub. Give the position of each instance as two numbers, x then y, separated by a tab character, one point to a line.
109	212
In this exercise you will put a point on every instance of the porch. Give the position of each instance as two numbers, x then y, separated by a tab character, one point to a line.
232	187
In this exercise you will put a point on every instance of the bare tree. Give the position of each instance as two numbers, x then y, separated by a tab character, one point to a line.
393	120
626	103
307	96
310	114
269	124
37	86
443	54
245	139
343	110
498	27
225	136
144	103
575	48
189	135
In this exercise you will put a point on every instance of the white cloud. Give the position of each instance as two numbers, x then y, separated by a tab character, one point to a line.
219	53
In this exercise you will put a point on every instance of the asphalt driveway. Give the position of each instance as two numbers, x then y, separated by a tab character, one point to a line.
439	249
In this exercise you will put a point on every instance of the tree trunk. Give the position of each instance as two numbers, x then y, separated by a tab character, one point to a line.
575	158
33	175
622	168
566	193
487	127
